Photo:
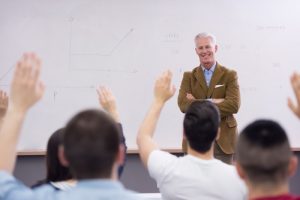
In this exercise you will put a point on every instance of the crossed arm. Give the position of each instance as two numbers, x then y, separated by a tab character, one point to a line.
163	91
228	105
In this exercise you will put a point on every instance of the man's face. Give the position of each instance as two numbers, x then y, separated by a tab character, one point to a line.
206	51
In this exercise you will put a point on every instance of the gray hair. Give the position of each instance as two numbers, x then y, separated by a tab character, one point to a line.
206	35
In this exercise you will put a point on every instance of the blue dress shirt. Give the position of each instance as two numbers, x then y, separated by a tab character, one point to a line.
208	73
100	189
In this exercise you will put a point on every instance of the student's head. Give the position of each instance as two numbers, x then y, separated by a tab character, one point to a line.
201	125
55	170
264	156
91	145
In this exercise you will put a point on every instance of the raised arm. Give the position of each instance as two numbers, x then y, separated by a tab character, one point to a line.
295	82
26	89
163	91
3	105
108	103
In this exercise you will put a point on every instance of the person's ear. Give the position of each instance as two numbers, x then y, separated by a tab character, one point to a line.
293	164
121	155
240	171
216	48
183	135
61	156
219	133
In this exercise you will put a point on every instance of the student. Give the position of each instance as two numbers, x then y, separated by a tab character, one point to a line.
295	82
108	102
265	161
197	175
59	176
91	145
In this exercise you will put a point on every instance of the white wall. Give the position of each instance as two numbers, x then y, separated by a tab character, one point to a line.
126	44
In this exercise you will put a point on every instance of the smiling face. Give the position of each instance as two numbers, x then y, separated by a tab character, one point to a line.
206	50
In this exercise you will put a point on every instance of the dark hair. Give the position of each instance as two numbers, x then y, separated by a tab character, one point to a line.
201	123
263	151
91	143
55	170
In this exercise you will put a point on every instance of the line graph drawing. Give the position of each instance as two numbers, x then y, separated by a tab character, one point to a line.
93	47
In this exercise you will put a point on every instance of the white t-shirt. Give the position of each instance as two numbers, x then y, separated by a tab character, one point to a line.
189	178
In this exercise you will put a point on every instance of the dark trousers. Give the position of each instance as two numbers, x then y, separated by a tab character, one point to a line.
220	155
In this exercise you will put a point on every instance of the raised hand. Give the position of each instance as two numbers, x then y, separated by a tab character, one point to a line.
295	82
26	87
163	89
108	102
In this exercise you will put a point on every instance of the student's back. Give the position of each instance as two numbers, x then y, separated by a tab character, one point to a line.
197	175
189	177
90	189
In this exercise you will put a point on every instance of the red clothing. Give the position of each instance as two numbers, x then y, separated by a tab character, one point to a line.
281	197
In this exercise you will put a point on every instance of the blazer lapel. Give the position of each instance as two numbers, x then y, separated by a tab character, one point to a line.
198	73
218	73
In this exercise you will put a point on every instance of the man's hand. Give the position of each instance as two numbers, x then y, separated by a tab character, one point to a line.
108	102
3	103
26	87
163	89
295	82
189	96
217	101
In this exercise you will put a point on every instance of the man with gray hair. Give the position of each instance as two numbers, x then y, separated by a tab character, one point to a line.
214	82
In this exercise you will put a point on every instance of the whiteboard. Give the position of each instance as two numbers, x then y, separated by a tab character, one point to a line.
126	44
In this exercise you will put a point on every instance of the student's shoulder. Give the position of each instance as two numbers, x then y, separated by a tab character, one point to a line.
225	166
158	154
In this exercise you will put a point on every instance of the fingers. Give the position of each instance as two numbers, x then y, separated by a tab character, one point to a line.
26	87
292	106
28	69
164	89
189	96
105	96
295	82
3	99
2	94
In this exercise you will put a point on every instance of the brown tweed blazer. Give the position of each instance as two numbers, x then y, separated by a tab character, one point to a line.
223	84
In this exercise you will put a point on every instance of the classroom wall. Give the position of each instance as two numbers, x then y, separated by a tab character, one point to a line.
126	44
135	177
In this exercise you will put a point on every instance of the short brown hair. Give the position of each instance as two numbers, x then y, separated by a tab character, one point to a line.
263	151
91	143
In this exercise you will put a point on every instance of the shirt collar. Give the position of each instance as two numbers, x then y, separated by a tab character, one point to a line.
101	183
212	68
